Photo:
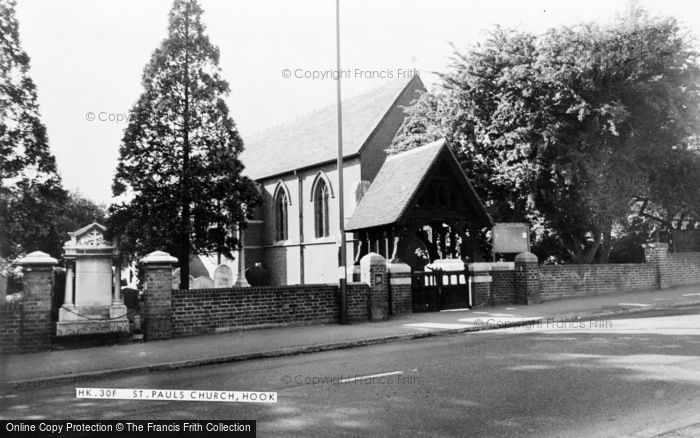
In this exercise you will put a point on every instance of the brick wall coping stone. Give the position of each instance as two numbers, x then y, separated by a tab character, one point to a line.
492	266
398	268
37	258
262	288
372	258
481	272
526	257
655	245
159	257
582	266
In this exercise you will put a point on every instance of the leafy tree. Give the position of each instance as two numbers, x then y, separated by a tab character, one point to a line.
178	180
79	211
636	101
31	193
671	200
29	216
566	128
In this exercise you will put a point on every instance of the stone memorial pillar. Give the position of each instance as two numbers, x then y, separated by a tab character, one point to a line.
241	280
98	306
68	295
117	299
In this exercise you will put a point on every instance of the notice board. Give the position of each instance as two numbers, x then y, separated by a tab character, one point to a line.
510	237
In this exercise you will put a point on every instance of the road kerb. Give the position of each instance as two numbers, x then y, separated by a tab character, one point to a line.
666	428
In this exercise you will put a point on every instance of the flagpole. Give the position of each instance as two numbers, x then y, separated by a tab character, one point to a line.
342	262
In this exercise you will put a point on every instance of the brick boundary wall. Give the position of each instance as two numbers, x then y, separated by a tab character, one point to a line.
10	326
481	294
205	311
563	281
673	269
401	293
680	269
492	283
661	270
480	283
358	302
503	286
546	282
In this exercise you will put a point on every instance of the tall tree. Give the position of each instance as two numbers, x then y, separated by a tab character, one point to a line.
671	199
564	129
178	181
31	193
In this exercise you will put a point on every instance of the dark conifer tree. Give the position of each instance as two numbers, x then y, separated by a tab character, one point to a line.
31	192
178	183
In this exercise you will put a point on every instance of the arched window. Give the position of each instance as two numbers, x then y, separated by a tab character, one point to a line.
321	208
281	215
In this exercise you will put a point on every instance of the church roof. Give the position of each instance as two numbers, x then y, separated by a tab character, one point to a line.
312	139
396	184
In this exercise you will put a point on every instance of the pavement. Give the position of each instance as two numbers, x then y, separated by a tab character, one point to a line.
60	366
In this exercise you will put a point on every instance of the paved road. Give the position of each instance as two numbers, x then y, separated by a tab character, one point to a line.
636	376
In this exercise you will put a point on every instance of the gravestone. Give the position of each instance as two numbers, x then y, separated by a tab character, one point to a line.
176	279
223	276
202	282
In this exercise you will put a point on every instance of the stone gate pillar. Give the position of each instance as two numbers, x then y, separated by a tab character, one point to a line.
480	282
657	254
157	293
373	272
400	291
527	278
37	276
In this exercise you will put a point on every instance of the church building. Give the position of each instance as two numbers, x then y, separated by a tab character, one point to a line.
417	206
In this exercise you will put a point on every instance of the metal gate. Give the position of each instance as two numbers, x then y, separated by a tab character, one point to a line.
440	290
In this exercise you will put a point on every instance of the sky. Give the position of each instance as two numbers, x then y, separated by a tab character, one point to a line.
87	57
